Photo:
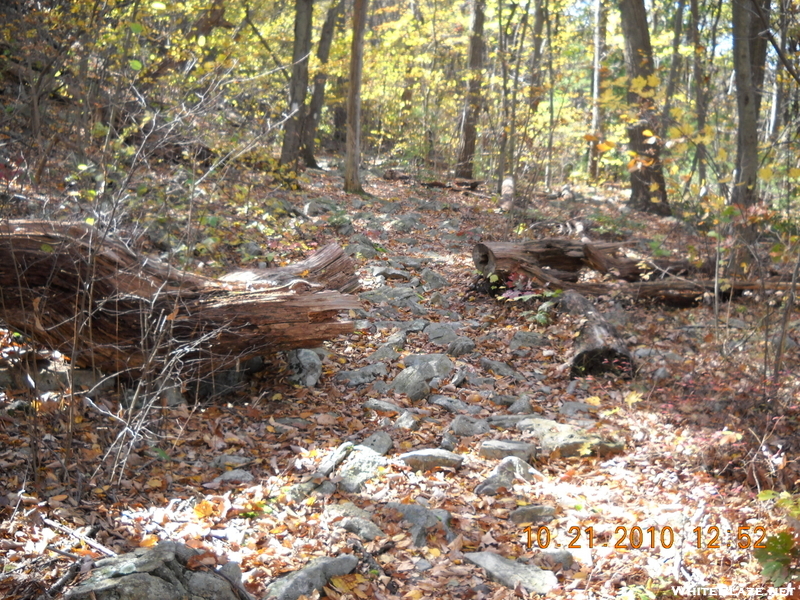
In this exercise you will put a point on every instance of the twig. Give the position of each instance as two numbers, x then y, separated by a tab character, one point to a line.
790	298
72	571
88	541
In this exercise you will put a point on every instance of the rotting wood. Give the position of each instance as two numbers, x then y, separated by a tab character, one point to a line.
598	347
78	290
557	253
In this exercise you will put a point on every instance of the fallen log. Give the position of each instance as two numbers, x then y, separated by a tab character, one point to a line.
557	253
83	292
599	348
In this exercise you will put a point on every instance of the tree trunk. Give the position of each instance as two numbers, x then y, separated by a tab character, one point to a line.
700	98
320	79
597	66
749	57
290	152
648	188
352	181
472	102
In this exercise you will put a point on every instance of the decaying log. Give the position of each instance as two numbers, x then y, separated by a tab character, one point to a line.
630	269
557	253
329	267
598	347
75	289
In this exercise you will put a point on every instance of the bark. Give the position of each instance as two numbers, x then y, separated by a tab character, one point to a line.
700	97
290	152
352	182
599	348
597	67
472	102
320	79
74	289
749	57
648	188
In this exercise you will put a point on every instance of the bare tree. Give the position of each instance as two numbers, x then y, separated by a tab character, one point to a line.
472	102
290	152
352	182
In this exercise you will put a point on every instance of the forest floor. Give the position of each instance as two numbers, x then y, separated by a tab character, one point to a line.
705	427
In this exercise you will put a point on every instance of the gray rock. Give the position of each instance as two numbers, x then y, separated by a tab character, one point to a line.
159	572
380	441
660	374
235	476
360	238
453	405
361	465
382	406
501	369
367	252
430	365
556	560
521	406
560	439
363	375
389	273
407	421
412	382
460	346
306	366
449	441
432	280
384	354
428	459
533	513
438	299
229	460
506	421
499	449
334	459
527	339
440	334
511	573
397	340
503	476
363	528
343	510
571	409
422	520
502	400
465	426
311	578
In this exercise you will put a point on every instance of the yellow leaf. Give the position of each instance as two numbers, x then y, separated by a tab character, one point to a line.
654	187
593	400
766	173
722	154
59	498
632	398
148	541
154	483
794	172
203	509
653	80
591	138
647	133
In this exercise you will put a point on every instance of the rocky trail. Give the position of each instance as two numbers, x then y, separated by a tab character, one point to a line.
442	450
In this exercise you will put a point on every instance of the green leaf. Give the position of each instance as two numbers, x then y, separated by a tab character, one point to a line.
136	28
46	248
135	65
776	557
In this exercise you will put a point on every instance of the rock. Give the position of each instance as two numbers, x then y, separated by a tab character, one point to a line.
389	273
407	421
521	406
363	375
510	573
423	519
560	439
363	528
234	476
572	409
466	426
367	252
506	421
453	405
499	449
411	382
501	369
449	441
432	280
440	334
345	509
426	460
380	441
503	400
460	345
306	366
384	354
229	460
361	465
313	577
430	365
382	406
156	573
527	339
334	459
534	513
555	560
504	474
